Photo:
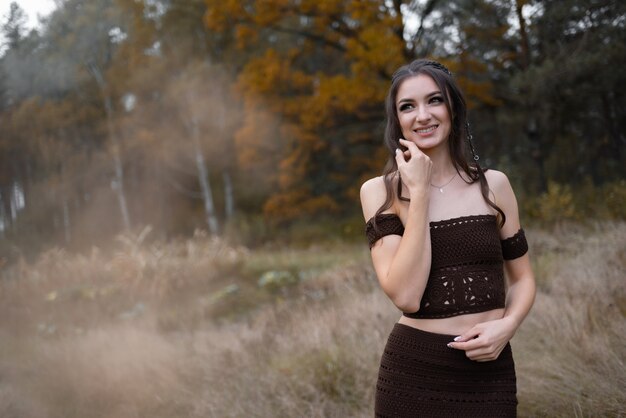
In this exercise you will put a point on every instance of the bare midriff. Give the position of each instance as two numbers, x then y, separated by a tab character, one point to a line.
454	325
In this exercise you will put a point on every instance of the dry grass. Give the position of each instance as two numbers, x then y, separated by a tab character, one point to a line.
571	351
185	330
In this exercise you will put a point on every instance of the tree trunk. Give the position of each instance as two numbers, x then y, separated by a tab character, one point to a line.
616	137
4	222
537	151
17	199
5	210
118	182
66	221
119	169
229	198
203	179
532	130
523	34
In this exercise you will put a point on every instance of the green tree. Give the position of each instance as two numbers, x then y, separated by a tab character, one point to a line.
572	90
14	29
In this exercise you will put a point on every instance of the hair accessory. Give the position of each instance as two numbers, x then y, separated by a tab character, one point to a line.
439	66
469	140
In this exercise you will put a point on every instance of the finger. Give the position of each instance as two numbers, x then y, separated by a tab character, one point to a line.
478	353
414	151
411	146
468	335
408	144
489	352
482	360
399	157
467	345
403	147
483	357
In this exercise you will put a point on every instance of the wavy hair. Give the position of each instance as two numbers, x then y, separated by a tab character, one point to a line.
459	132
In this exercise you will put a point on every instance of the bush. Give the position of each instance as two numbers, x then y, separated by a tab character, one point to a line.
557	204
615	199
585	201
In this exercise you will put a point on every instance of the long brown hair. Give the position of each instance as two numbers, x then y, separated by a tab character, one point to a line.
457	109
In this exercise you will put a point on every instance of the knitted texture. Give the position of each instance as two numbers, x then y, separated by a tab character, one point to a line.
466	274
420	376
515	246
386	223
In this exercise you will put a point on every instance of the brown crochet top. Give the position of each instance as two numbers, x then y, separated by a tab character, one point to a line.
466	273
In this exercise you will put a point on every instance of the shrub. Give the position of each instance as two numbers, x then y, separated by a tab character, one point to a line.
557	204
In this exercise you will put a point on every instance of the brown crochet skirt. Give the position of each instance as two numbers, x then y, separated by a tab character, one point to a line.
420	376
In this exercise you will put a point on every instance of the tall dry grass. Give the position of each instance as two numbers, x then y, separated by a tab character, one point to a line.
571	351
185	329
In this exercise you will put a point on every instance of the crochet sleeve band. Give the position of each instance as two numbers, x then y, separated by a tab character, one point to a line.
515	246
387	223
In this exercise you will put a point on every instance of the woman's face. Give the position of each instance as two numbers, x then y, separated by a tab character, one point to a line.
422	112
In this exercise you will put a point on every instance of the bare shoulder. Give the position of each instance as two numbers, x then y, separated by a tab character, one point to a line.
499	184
497	179
373	195
505	198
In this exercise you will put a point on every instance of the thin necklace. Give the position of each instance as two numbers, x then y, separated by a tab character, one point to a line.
441	187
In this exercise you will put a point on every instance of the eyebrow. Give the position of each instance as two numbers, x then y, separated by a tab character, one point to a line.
434	93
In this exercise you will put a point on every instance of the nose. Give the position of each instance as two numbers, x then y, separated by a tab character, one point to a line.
422	114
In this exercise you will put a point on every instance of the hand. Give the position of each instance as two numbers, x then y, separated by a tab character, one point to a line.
486	340
414	166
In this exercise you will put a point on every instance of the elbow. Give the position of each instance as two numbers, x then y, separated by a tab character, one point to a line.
407	303
407	297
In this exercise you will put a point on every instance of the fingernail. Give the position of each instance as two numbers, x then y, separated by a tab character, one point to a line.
457	338
449	345
397	150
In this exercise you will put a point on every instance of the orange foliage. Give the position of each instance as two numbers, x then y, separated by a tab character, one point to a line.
245	36
290	205
221	14
377	47
251	140
320	64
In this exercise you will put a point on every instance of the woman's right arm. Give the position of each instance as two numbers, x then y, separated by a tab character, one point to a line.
402	263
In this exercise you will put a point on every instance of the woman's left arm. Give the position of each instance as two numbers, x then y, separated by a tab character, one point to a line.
486	340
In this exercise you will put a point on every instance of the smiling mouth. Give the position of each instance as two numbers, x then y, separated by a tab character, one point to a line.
426	130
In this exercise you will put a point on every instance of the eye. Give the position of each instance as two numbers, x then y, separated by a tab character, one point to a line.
436	100
405	106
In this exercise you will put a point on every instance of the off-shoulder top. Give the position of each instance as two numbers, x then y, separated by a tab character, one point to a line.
466	273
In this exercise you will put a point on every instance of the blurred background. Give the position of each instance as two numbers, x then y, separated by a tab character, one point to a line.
248	119
177	177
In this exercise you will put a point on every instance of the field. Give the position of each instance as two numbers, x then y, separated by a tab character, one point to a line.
197	328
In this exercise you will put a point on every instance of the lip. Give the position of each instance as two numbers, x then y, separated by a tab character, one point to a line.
426	131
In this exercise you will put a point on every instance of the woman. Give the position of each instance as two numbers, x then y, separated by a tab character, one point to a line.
441	233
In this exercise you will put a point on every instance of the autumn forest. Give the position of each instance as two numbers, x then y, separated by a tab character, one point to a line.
180	227
248	118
